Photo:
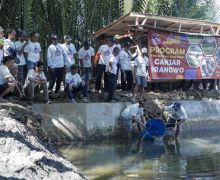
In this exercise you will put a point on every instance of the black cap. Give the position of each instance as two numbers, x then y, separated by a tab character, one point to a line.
127	44
53	36
74	66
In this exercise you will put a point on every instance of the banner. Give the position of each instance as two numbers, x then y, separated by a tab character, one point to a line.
181	56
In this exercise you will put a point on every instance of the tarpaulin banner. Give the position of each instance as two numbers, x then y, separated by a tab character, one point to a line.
182	56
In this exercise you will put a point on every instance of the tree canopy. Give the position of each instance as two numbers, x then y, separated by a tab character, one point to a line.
80	18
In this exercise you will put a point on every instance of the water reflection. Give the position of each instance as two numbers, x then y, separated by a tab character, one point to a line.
121	159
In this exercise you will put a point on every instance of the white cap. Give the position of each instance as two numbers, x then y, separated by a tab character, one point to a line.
144	50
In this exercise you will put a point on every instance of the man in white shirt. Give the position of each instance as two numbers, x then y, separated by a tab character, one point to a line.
117	44
20	45
7	82
9	44
74	84
32	51
36	78
86	58
111	69
141	64
177	115
70	51
104	53
133	114
125	57
56	57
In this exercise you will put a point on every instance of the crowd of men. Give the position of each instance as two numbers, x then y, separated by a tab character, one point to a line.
22	70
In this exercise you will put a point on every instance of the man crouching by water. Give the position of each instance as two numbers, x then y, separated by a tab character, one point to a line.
133	114
177	115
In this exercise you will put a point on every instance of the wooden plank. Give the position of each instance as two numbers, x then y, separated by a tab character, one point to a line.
194	26
201	30
174	19
155	23
144	21
137	21
213	32
180	25
217	30
171	24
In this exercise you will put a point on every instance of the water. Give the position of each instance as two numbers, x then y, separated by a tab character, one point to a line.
192	157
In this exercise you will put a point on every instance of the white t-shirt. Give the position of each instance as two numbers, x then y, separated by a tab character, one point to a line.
34	50
8	44
119	46
4	74
125	60
180	114
73	79
56	54
147	61
86	56
19	45
132	110
141	64
70	50
113	60
104	52
33	75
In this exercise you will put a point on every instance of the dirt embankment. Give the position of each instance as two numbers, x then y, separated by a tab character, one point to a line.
23	154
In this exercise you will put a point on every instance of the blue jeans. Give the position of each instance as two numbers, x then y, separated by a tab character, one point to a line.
70	93
30	65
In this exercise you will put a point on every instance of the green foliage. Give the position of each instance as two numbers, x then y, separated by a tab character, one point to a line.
80	18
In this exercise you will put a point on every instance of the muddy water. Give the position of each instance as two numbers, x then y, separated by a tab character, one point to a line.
191	157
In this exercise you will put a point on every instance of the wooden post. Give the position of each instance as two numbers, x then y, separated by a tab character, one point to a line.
201	30
180	26
155	23
144	21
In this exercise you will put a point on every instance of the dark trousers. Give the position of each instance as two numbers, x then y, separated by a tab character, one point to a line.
22	73
70	93
112	86
56	75
99	72
126	80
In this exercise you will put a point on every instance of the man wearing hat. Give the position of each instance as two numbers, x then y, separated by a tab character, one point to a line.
177	115
116	41
56	57
20	45
141	64
70	50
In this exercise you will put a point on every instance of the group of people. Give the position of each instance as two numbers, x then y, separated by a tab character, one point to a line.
22	71
113	59
154	126
66	64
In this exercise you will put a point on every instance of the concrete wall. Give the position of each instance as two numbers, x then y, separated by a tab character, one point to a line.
79	121
94	120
